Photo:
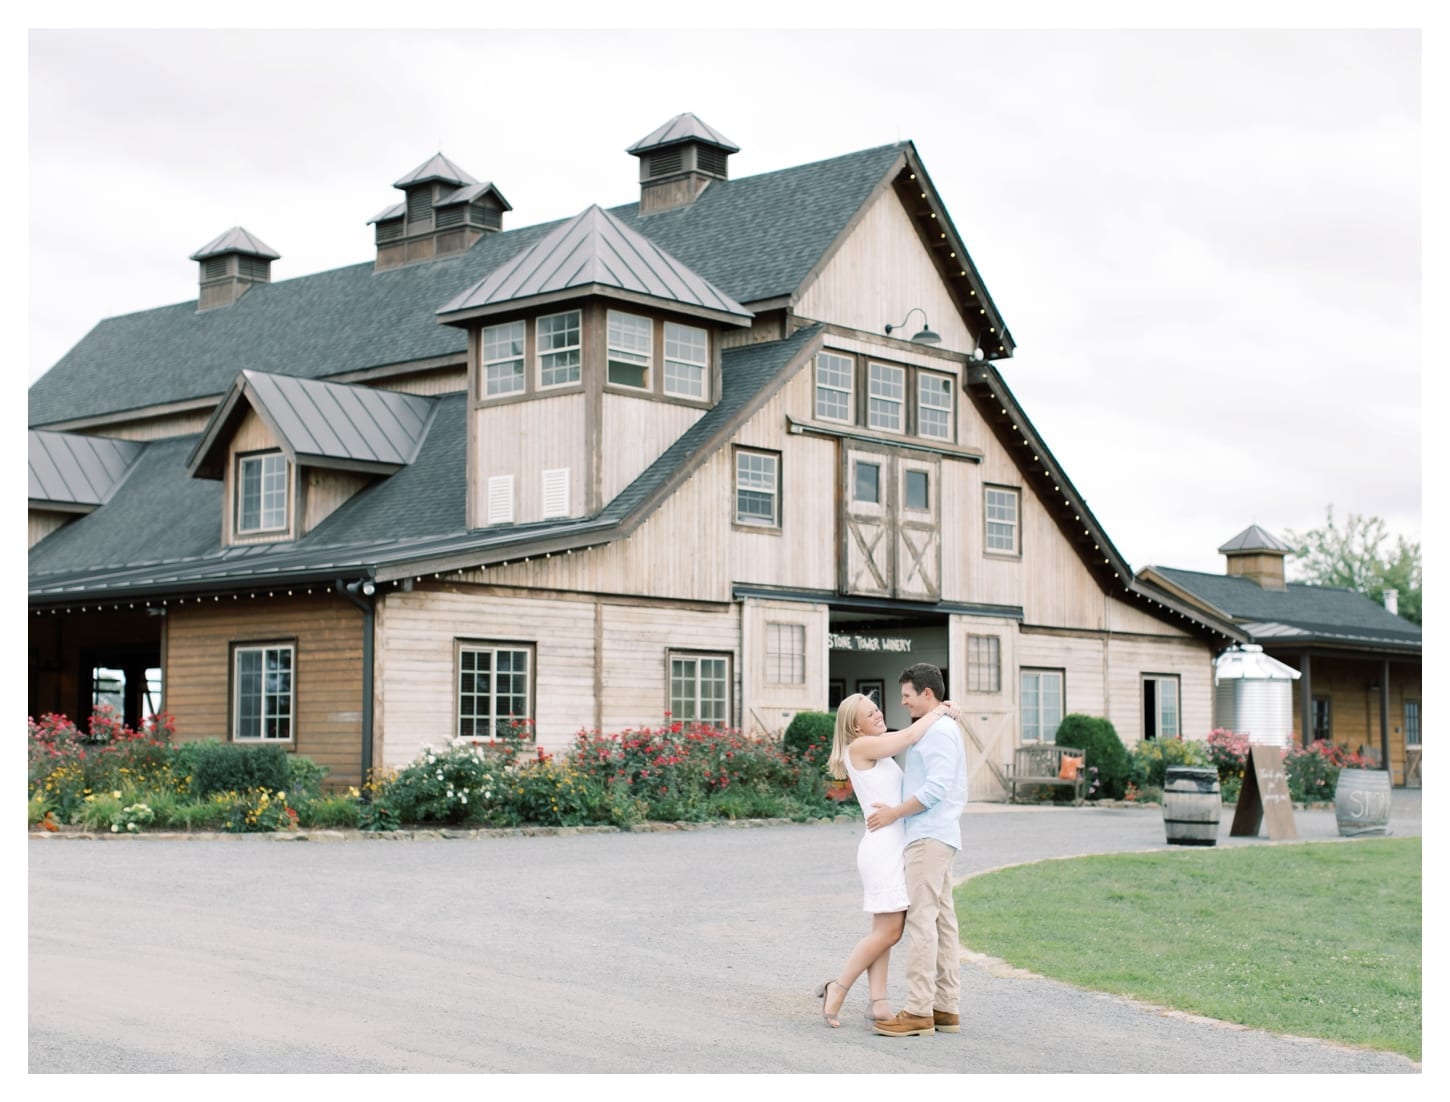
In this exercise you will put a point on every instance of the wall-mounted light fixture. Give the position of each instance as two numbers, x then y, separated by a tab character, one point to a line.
926	336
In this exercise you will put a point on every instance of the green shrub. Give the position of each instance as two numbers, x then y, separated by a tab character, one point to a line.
460	784
229	767
335	811
255	811
304	778
808	738
1106	758
1151	758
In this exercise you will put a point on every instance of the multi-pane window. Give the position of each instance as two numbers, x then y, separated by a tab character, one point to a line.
757	488
493	690
934	406
262	493
785	654
503	359
1041	704
886	391
1412	723
699	688
918	491
1160	707
686	358
834	385
1002	520
868	483
631	346
262	693
558	349
1319	716
984	664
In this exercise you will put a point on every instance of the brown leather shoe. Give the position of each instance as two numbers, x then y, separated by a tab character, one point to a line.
904	1025
946	1023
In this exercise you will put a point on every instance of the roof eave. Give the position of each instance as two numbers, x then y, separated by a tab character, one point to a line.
590	290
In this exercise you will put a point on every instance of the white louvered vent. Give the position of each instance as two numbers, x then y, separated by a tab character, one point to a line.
501	499
556	492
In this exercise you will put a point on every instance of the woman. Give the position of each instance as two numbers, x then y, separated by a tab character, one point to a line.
863	750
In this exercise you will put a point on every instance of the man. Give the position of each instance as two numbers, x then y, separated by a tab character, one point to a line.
935	790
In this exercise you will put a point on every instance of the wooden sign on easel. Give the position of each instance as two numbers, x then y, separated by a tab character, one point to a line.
1265	795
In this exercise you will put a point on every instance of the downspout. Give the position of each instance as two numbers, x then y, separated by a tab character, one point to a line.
360	593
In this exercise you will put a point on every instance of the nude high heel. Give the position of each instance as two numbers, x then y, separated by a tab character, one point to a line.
872	1017
831	1020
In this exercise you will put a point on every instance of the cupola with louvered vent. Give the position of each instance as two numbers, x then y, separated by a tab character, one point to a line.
444	211
678	161
230	265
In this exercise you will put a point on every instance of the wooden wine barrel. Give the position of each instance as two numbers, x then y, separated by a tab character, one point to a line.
1192	803
1362	802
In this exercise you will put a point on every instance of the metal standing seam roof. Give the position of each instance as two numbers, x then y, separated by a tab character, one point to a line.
684	127
1254	538
595	249
436	167
70	469
315	420
236	240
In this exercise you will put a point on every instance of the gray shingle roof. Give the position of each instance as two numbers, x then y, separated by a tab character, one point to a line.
163	536
1305	613
755	238
594	250
69	469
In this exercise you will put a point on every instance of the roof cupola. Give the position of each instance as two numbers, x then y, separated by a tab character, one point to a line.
444	211
678	161
230	265
1258	556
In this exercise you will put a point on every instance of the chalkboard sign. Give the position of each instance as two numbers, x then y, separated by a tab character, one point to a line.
1265	795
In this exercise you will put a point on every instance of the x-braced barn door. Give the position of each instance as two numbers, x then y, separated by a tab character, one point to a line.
891	524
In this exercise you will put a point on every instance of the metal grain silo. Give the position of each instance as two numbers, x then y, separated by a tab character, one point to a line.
1254	695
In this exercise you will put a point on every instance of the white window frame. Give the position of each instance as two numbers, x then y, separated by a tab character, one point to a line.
689	675
835	384
564	357
475	723
631	343
272	474
687	360
984	664
495	358
929	407
757	478
886	396
275	706
1165	723
1034	728
785	653
997	523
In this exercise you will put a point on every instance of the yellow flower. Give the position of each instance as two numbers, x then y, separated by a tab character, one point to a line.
117	795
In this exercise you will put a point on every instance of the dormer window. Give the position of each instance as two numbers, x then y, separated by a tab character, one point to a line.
261	493
503	359
631	348
687	355
558	349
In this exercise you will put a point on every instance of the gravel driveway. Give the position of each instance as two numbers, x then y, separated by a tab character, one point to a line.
676	951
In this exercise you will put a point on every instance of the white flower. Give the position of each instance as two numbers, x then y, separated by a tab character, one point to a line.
440	774
463	798
115	829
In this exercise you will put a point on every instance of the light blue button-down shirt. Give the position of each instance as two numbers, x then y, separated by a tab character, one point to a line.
936	774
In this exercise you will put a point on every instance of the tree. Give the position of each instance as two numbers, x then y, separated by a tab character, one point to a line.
1355	557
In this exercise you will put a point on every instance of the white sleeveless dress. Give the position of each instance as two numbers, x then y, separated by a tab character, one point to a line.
879	856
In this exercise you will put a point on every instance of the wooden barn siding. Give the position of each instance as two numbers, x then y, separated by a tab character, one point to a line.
450	380
990	716
633	433
324	491
525	439
879	273
327	631
1129	658
637	638
158	428
253	435
1354	710
415	662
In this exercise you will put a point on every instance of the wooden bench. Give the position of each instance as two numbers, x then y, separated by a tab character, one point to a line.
1041	763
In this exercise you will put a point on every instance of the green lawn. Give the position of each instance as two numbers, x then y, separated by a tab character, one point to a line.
1316	940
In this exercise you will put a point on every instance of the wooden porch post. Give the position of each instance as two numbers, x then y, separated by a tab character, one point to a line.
1385	717
1306	702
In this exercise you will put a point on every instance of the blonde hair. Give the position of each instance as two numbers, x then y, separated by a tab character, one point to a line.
846	733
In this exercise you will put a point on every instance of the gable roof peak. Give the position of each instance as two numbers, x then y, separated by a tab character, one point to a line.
436	167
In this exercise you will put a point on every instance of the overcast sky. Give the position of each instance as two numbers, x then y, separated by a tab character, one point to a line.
1207	244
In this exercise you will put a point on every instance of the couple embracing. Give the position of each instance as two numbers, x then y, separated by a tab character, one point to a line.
905	858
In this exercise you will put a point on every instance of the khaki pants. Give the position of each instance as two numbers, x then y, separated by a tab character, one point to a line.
933	960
